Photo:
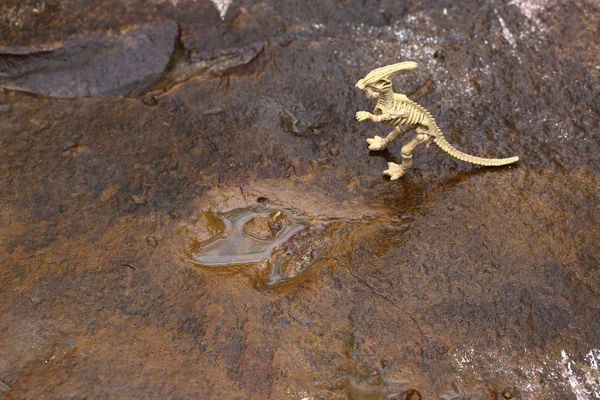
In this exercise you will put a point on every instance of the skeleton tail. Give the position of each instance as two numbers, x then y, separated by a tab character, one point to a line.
443	144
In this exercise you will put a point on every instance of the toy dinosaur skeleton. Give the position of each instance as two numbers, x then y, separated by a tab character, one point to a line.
398	110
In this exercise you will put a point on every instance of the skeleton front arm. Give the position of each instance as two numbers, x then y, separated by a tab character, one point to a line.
386	116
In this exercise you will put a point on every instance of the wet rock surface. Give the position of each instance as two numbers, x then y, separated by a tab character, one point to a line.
459	282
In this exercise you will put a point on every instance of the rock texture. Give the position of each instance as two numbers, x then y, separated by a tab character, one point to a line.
120	64
455	282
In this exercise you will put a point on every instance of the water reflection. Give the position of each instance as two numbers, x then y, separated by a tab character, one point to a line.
274	245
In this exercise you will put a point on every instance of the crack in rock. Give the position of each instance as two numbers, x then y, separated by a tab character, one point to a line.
203	63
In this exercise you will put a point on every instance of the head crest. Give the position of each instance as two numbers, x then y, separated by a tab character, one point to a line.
384	73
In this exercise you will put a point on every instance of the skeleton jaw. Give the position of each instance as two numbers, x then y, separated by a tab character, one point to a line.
371	94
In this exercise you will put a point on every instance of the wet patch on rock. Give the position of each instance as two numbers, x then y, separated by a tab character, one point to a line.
381	389
273	246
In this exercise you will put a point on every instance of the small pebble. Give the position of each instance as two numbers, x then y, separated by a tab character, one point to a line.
440	54
151	241
36	300
262	200
149	101
139	199
69	145
212	111
370	216
334	151
40	126
507	394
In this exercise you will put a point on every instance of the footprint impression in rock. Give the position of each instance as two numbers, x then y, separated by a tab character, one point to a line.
272	245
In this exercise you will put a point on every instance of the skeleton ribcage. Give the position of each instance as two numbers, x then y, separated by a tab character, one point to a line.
415	115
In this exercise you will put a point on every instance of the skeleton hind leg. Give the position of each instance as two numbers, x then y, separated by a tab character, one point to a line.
396	171
393	135
378	143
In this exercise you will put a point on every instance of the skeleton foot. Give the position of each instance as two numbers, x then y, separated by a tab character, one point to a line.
394	171
377	143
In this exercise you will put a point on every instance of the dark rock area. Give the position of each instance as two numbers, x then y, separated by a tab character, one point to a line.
125	127
121	64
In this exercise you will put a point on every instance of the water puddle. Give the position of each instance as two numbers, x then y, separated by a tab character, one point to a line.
381	389
248	237
272	245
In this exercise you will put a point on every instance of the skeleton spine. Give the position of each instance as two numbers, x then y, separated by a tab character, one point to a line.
443	144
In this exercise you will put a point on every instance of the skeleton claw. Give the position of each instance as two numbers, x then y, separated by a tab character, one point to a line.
377	143
394	171
363	115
